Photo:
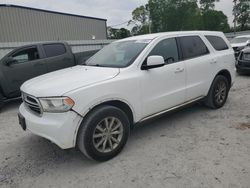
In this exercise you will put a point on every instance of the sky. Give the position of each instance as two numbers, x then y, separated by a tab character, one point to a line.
115	11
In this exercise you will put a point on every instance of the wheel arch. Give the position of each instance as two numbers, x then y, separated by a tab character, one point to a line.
226	74
118	103
122	105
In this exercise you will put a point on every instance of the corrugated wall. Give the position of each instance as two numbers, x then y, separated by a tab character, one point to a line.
23	24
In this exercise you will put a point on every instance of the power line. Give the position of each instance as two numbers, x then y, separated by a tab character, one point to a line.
119	24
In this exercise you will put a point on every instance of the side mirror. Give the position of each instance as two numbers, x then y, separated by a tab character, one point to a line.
153	62
9	60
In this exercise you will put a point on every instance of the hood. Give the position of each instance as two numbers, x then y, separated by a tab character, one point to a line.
238	44
60	82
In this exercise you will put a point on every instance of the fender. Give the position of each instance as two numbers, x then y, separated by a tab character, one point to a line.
92	106
223	72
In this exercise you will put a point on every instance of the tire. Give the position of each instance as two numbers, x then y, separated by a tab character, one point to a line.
218	93
1	101
95	133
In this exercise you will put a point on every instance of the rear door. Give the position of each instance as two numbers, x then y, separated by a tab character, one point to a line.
58	56
27	64
199	65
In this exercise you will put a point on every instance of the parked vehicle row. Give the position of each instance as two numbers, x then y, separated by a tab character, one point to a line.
29	61
239	43
94	106
243	61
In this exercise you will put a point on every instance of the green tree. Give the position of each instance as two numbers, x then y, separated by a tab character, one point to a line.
242	13
118	33
140	20
172	15
213	19
207	4
177	15
141	15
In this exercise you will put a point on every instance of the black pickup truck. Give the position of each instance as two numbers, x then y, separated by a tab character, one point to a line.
29	61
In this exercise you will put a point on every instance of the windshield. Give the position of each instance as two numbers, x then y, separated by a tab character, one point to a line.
118	54
240	40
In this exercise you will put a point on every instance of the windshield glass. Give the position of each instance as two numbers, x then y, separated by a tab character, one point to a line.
118	54
240	40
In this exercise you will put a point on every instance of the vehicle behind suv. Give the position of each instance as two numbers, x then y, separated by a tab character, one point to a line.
239	43
94	106
26	62
243	62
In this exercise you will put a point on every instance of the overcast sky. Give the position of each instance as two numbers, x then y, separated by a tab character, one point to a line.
115	11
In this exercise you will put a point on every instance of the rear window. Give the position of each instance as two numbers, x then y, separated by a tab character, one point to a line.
192	46
52	50
217	42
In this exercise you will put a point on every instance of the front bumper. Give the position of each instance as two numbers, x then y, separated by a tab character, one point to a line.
60	128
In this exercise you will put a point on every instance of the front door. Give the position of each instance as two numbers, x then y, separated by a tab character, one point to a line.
164	87
26	64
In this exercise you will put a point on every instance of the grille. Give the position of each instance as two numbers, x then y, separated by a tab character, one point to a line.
32	103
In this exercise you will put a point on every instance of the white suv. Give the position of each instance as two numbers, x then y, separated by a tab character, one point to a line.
93	106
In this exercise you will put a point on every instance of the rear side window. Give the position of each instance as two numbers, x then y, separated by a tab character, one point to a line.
52	50
192	46
217	42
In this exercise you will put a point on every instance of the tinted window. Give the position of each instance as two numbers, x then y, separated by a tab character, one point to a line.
217	42
192	46
25	55
54	49
167	49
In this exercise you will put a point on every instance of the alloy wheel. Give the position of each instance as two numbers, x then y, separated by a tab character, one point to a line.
108	134
220	92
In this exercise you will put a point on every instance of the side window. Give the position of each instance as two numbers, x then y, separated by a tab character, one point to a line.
167	49
23	56
52	50
217	42
192	46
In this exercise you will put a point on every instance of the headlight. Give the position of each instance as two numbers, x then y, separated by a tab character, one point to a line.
56	104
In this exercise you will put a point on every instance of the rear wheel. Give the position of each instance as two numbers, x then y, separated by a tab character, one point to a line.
218	92
104	133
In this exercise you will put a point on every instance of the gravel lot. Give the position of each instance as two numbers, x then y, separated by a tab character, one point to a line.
193	147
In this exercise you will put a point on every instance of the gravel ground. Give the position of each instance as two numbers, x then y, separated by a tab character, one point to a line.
193	147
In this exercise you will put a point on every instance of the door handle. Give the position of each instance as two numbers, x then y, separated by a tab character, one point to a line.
179	70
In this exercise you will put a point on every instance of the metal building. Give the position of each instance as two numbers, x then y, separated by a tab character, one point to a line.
23	24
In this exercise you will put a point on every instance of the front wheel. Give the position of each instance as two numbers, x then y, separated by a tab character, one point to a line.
218	92
103	133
